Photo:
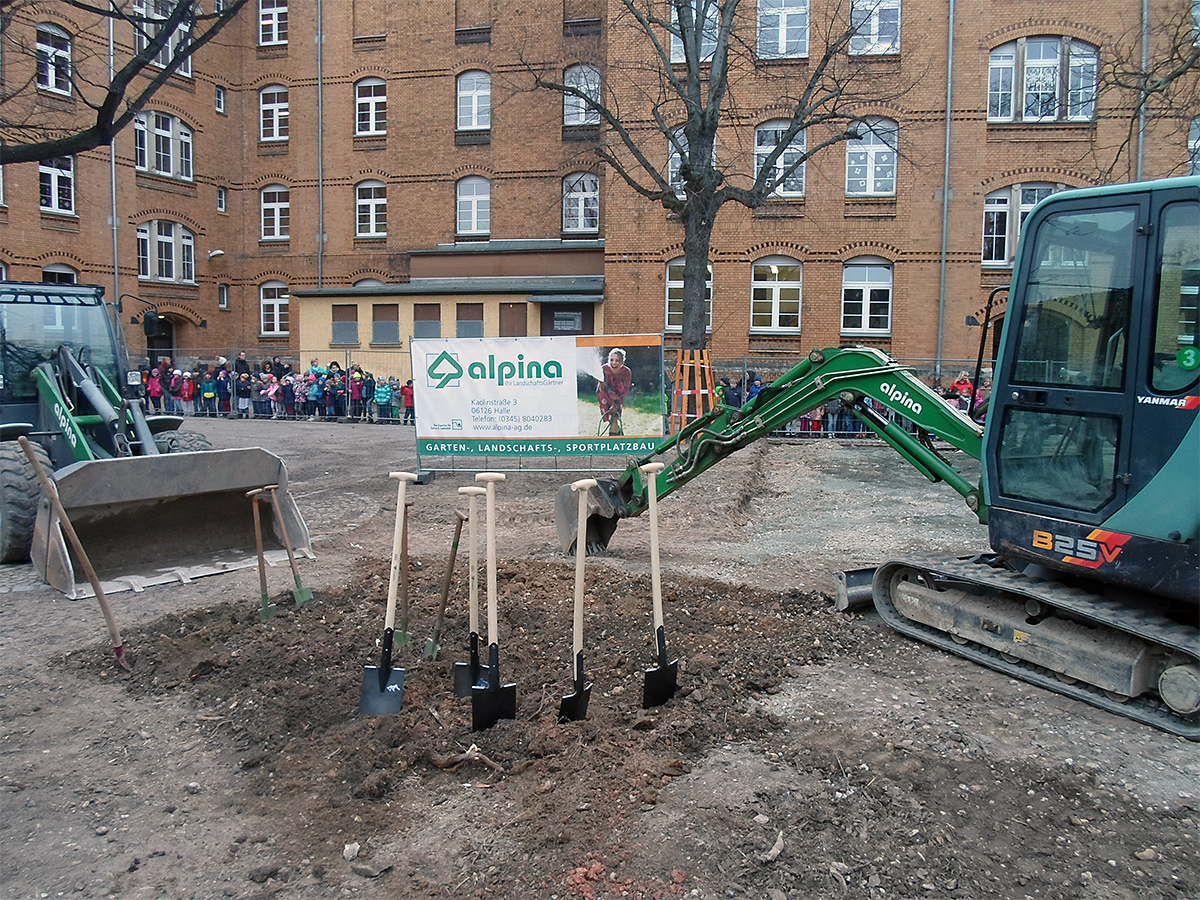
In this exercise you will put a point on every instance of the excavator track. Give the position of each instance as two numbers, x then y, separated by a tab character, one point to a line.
1131	662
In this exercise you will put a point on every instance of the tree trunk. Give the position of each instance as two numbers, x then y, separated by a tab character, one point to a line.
697	235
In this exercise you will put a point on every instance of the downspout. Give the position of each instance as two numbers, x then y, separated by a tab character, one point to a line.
320	150
1143	98
112	176
941	331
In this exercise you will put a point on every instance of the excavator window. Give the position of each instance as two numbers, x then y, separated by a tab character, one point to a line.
1176	359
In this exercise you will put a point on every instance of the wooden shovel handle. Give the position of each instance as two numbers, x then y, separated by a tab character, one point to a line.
581	487
650	470
404	478
490	479
471	493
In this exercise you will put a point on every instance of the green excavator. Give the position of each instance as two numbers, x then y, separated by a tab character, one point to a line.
1090	452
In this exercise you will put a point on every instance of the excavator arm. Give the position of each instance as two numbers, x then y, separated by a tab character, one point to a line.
854	376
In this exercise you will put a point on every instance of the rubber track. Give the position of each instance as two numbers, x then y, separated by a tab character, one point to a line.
1079	603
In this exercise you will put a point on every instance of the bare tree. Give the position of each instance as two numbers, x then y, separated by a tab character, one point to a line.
110	92
687	74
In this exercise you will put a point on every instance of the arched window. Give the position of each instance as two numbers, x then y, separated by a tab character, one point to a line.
59	273
474	206
370	107
586	80
53	59
162	144
273	109
581	203
166	251
775	294
273	307
871	160
276	204
370	205
767	137
867	296
1043	79
145	31
675	296
474	101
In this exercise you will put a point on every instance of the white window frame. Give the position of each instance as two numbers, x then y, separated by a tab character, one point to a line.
877	27
581	203
1001	227
766	137
219	99
273	308
871	160
474	92
778	300
223	296
782	29
1067	68
370	209
171	153
56	185
72	277
673	313
274	113
1194	141
370	107
473	206
576	110
166	251
53	59
222	199
142	38
871	276
710	30
272	23
275	205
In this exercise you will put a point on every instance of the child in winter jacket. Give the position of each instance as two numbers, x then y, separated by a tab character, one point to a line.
187	394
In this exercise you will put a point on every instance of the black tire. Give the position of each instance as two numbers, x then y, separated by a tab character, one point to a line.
19	496
181	442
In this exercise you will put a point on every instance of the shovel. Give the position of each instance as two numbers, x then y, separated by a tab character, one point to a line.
663	680
402	636
51	491
383	686
492	701
467	674
434	643
268	609
574	706
301	594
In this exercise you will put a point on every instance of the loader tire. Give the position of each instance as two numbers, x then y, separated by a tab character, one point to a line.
19	495
181	442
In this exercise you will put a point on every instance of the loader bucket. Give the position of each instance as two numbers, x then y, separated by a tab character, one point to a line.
157	519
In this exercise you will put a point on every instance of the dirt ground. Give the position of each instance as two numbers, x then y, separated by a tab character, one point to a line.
808	753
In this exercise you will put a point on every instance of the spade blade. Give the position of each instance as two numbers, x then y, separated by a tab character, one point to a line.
385	701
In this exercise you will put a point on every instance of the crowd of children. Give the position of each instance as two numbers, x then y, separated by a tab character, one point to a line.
271	390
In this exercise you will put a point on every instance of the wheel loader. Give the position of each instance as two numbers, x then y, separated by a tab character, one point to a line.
150	503
1090	452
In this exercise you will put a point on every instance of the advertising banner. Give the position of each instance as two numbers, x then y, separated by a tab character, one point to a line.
538	396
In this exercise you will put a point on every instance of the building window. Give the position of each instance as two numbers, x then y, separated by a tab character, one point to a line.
56	182
53	59
1001	228
145	31
786	183
876	26
708	30
57	273
370	107
782	29
222	200
223	296
168	152
385	323
1194	145
469	320
775	295
474	196
871	160
1042	79
219	99
273	306
581	203
867	296
427	320
675	296
576	110
273	104
272	22
166	251
370	209
345	324
276	212
474	101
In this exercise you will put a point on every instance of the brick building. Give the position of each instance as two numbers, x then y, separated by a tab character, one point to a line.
300	197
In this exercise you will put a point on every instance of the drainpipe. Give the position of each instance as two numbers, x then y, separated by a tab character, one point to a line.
320	150
112	177
941	331
1145	67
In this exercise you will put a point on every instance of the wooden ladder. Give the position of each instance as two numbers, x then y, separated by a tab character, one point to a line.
695	389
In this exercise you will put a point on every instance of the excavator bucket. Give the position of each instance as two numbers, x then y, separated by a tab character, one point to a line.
158	519
605	507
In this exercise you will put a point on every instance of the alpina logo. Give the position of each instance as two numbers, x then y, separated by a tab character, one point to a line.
900	397
445	368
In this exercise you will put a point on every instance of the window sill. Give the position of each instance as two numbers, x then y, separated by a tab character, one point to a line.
472	138
888	55
273	51
582	235
780	209
865	206
58	221
276	245
473	238
369	241
1040	131
774	332
273	148
155	182
385	345
343	344
782	60
481	34
275	336
581	27
868	335
370	141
